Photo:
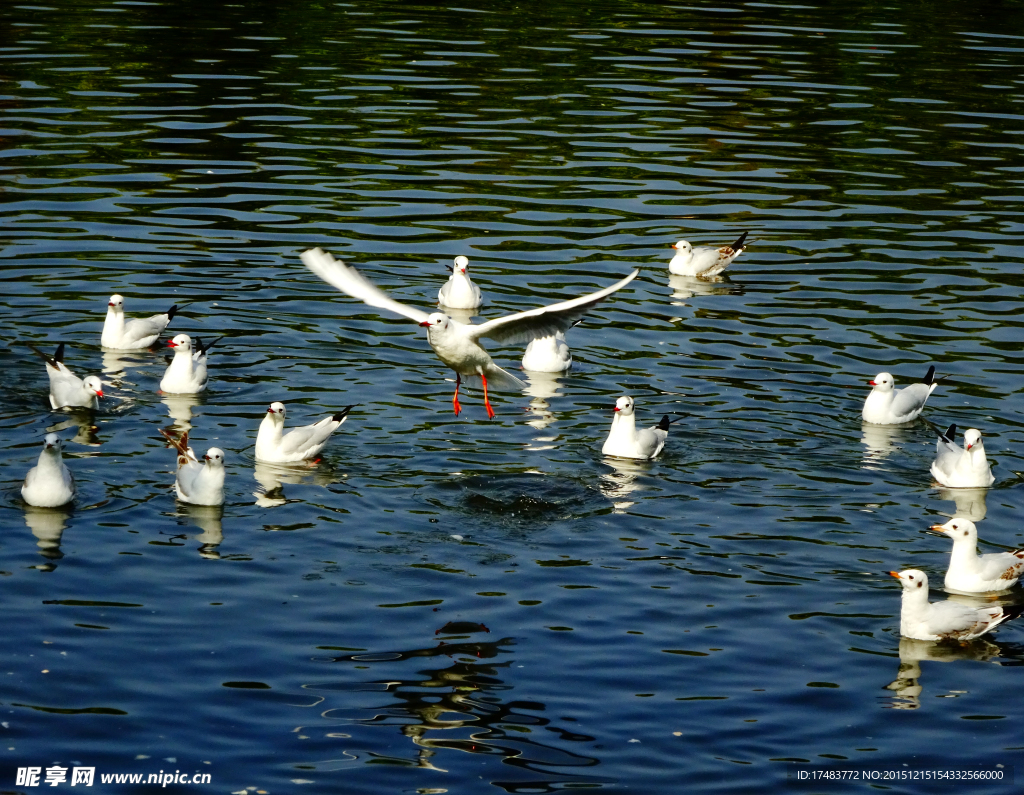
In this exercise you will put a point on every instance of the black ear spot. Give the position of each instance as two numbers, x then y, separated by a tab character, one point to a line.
920	584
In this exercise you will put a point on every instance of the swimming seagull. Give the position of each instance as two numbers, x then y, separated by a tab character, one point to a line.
458	344
66	388
624	441
299	444
965	467
186	374
49	484
970	572
548	354
944	620
141	332
459	292
704	261
197	484
886	405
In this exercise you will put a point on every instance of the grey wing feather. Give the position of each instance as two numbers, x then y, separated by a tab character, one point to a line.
1001	564
142	327
946	455
353	283
303	438
947	617
651	441
911	398
544	321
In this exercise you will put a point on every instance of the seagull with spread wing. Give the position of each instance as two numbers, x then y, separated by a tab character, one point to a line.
457	344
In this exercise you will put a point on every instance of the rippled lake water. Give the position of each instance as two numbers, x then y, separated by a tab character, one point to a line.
451	604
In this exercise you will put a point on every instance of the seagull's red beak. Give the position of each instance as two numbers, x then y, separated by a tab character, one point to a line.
895	574
170	344
425	323
270	410
616	408
969	447
206	457
110	303
675	246
99	393
872	383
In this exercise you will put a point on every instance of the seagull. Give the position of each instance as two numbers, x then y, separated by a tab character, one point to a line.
624	441
886	405
548	354
138	333
458	344
459	292
197	484
66	388
49	484
299	444
703	261
964	467
944	620
186	374
970	572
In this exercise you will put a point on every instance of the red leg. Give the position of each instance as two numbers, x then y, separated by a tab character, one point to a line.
487	403
455	400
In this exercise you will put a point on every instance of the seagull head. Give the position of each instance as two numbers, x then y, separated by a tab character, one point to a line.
624	406
53	443
276	410
683	247
883	382
93	384
214	457
958	529
461	263
438	321
182	342
116	302
911	579
972	439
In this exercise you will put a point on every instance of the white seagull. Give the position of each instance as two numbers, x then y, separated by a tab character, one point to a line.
140	332
548	354
970	572
625	441
186	374
458	344
459	292
944	620
49	484
886	405
704	261
275	446
961	468
197	484
66	388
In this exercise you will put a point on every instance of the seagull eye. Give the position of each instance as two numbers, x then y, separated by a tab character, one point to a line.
911	576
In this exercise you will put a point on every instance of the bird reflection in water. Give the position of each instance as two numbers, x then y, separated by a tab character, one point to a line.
684	287
879	441
83	421
970	503
622	481
207	518
47	525
179	409
460	706
540	387
273	477
907	687
116	364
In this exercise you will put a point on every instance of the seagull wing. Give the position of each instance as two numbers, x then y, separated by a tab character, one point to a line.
140	329
952	619
1002	565
911	398
544	321
353	283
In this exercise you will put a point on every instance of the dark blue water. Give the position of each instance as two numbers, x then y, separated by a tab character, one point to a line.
451	604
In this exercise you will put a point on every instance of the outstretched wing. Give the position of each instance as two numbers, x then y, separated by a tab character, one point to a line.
353	283
544	321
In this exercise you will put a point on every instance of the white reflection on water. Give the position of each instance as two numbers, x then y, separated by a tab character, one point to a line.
970	503
273	477
116	364
541	386
907	686
622	482
881	440
207	518
47	525
179	409
690	286
81	419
